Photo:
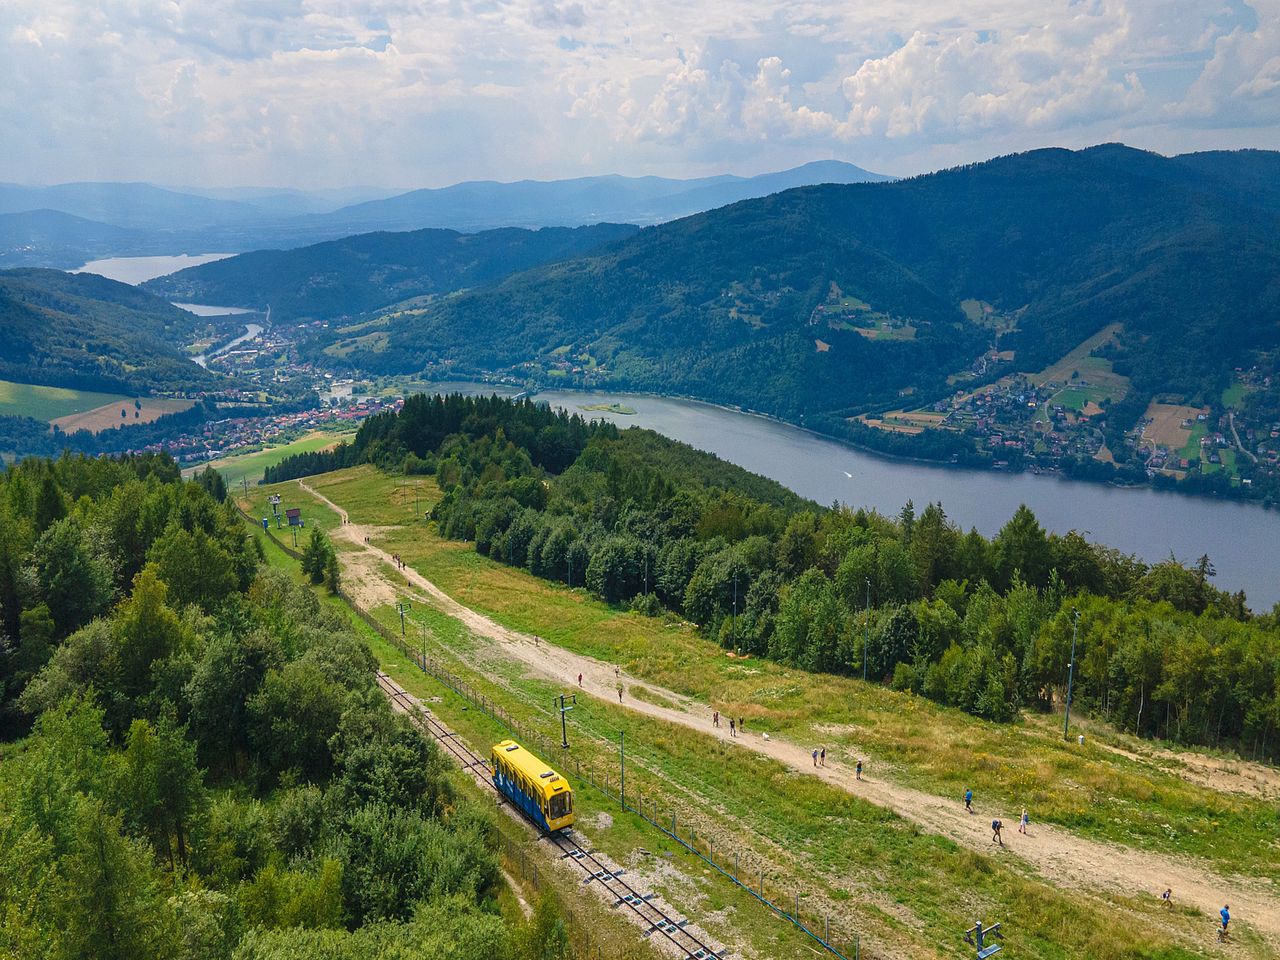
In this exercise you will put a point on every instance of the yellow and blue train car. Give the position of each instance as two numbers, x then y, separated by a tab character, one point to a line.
538	791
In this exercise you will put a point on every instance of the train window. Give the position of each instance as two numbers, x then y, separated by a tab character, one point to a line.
559	806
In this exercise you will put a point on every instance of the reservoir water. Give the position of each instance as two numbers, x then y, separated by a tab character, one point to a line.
137	270
1242	539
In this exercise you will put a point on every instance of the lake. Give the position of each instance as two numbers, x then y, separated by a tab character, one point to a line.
135	270
1242	539
251	331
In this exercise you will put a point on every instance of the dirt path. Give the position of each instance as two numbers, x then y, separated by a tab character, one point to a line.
1059	856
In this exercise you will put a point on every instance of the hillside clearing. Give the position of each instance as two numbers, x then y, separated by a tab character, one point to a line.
108	416
50	403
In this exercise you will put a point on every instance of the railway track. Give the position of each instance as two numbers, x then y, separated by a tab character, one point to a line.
651	917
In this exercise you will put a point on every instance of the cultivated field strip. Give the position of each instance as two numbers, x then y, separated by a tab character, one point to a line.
650	916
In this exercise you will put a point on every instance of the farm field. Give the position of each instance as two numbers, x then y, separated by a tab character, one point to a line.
1165	428
108	416
1085	382
49	403
905	891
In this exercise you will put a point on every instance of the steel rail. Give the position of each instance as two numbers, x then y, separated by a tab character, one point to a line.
652	917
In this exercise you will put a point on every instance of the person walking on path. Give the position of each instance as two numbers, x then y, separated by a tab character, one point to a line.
1167	897
579	679
1023	821
815	757
996	827
732	730
715	718
822	756
857	770
1225	914
968	799
619	692
742	724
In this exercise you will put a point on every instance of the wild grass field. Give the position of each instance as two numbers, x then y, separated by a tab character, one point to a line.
49	403
122	413
907	892
251	465
1116	796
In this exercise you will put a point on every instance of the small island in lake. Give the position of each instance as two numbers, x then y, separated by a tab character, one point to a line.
618	408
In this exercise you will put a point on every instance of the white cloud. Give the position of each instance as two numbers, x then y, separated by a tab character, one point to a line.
414	92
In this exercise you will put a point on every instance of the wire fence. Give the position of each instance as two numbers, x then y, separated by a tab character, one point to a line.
723	857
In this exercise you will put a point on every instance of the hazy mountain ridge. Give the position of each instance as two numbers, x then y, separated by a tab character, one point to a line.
721	305
193	220
363	272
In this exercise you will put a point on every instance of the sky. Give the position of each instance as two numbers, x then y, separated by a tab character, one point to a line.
414	93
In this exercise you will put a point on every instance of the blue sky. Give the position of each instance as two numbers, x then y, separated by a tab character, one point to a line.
317	93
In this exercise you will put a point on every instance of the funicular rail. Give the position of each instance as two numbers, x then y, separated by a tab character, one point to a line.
652	917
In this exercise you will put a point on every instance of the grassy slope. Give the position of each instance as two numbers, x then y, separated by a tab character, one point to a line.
1096	792
906	888
48	403
251	465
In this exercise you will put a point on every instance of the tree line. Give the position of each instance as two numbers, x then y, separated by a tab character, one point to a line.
979	623
204	766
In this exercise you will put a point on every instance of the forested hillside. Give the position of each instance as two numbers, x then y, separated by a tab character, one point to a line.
208	769
912	601
826	301
359	273
85	331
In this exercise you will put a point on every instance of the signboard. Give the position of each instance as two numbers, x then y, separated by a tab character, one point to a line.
295	516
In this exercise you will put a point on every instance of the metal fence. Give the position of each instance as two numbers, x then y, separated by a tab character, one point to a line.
604	776
723	857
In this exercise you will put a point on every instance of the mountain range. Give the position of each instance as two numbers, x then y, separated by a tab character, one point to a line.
234	220
826	301
371	270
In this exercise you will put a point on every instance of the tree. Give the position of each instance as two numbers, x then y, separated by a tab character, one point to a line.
72	575
315	558
1022	547
161	787
292	717
195	567
145	630
211	480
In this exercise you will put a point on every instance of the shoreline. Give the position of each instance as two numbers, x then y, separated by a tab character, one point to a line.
1054	472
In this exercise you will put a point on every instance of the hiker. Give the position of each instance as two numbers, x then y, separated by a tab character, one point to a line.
617	670
857	770
996	827
742	724
815	757
1023	821
619	693
579	679
1225	914
732	730
822	755
715	718
1167	897
968	799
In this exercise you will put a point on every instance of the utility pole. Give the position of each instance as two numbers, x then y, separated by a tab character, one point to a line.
402	608
646	573
563	708
569	555
866	635
622	758
1071	670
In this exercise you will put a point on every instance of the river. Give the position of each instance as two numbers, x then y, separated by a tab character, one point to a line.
1242	539
251	331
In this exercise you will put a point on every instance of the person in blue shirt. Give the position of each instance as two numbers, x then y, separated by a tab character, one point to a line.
968	799
1225	913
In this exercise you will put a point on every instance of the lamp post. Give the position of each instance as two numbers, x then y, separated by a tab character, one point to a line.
563	707
402	608
1071	670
